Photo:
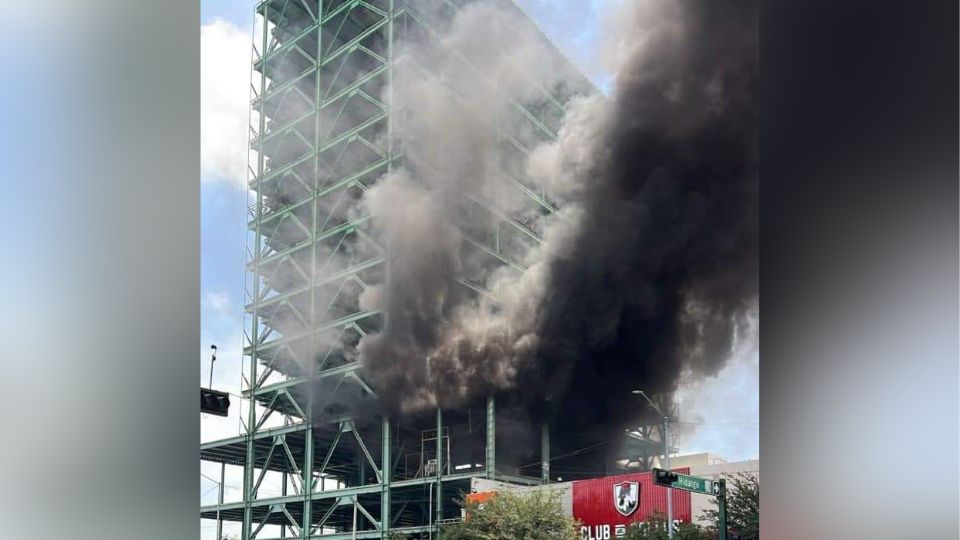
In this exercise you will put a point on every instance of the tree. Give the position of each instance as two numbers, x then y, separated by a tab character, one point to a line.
743	507
537	515
655	528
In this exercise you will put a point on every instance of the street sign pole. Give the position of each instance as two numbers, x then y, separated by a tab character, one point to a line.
666	457
696	484
722	507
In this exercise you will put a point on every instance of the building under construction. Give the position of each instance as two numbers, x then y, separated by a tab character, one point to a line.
321	134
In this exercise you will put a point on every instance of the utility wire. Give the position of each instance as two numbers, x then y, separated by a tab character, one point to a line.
716	424
604	443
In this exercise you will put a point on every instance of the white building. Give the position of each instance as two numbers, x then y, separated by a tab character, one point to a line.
708	465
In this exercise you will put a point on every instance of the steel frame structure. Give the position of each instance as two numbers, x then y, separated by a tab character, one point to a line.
321	134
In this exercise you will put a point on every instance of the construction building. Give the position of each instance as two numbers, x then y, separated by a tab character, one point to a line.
321	134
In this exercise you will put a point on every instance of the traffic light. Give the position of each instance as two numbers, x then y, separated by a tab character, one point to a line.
663	477
214	402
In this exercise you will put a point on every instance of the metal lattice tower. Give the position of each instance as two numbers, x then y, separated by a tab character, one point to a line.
321	135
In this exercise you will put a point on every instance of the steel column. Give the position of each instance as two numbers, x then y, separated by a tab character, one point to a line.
248	467
386	475
439	509
223	474
490	464
545	453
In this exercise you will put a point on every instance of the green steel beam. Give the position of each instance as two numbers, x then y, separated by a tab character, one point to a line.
490	465
368	456
505	219
262	434
352	318
386	442
439	484
289	126
385	476
545	453
307	482
222	507
350	45
285	86
486	249
248	470
345	227
351	491
329	278
261	62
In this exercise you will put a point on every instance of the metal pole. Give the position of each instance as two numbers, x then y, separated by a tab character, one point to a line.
440	464
666	457
722	508
213	358
223	468
490	464
545	453
354	517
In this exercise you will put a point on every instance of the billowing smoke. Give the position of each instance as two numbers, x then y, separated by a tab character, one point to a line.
648	268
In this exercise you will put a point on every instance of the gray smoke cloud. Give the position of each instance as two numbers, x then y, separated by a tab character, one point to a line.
647	268
459	93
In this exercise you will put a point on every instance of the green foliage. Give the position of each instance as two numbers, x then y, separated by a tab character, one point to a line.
743	507
531	516
655	528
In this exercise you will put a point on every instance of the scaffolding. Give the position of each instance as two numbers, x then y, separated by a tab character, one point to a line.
321	134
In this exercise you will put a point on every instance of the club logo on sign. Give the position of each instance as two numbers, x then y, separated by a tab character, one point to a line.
626	497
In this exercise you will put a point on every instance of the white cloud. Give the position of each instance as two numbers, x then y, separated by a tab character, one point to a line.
224	102
218	302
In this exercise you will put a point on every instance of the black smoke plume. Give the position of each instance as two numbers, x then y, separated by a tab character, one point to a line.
663	269
647	271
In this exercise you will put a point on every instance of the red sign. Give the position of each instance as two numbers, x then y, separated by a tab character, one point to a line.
605	506
480	498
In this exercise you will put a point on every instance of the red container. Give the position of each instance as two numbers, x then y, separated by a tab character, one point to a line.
605	506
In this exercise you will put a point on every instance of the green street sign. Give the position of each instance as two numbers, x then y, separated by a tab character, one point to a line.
717	488
686	482
695	484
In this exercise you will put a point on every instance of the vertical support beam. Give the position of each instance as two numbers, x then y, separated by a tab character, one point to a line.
248	472
545	453
439	508
360	480
490	465
283	492
223	474
390	15
306	525
386	458
308	449
386	470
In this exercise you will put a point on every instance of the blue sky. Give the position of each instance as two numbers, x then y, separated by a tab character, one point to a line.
725	408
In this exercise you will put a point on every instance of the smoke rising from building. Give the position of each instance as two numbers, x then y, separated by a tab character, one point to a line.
647	269
638	267
658	271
